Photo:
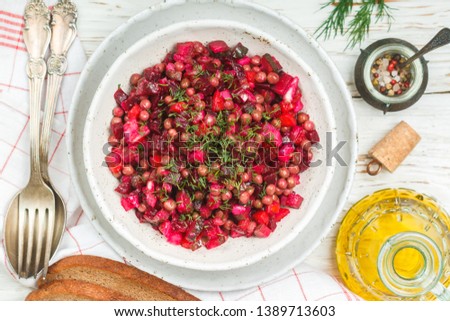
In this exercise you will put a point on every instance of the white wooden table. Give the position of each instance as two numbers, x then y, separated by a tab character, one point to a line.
427	169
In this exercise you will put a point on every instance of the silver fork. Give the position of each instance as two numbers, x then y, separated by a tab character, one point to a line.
34	206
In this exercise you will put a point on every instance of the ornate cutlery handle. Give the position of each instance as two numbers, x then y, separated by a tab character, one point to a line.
36	35
64	30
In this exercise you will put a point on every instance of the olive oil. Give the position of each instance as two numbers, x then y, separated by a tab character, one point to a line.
370	226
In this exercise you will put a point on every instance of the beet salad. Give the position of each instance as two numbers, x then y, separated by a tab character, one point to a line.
210	144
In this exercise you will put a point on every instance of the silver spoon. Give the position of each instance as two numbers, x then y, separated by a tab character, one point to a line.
442	38
64	16
32	211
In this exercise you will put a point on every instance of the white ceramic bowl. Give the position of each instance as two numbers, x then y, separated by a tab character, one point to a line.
151	49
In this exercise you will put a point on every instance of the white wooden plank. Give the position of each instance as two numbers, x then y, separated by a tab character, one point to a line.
415	21
427	169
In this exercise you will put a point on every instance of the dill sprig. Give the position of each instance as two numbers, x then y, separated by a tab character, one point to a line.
178	95
358	28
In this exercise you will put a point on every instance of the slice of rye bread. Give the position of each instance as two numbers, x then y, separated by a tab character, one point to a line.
128	280
74	290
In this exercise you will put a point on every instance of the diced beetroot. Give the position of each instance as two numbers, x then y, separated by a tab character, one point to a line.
178	107
151	200
215	242
250	228
165	228
225	94
191	245
120	96
199	117
175	238
293	201
129	202
218	221
247	226
160	217
262	231
114	162
152	74
196	156
261	217
286	107
298	106
238	72
193	230
236	231
126	179
172	237
129	103
184	203
288	120
281	214
250	74
212	236
172	73
285	152
218	46
296	178
240	212
186	244
185	48
133	133
297	135
123	188
272	224
117	130
283	84
243	224
244	61
147	88
205	211
184	51
155	160
271	178
179	226
213	202
239	51
259	169
291	90
272	134
217	102
134	112
269	63
273	208
245	95
313	136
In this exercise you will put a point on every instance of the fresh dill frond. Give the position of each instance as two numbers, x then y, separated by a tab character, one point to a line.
228	79
179	95
335	23
358	27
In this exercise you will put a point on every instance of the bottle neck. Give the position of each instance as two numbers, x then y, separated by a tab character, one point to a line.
410	265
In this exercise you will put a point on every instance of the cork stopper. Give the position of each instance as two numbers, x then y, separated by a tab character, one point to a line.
392	150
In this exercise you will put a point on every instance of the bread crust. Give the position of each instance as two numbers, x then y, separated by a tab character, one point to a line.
129	273
75	290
